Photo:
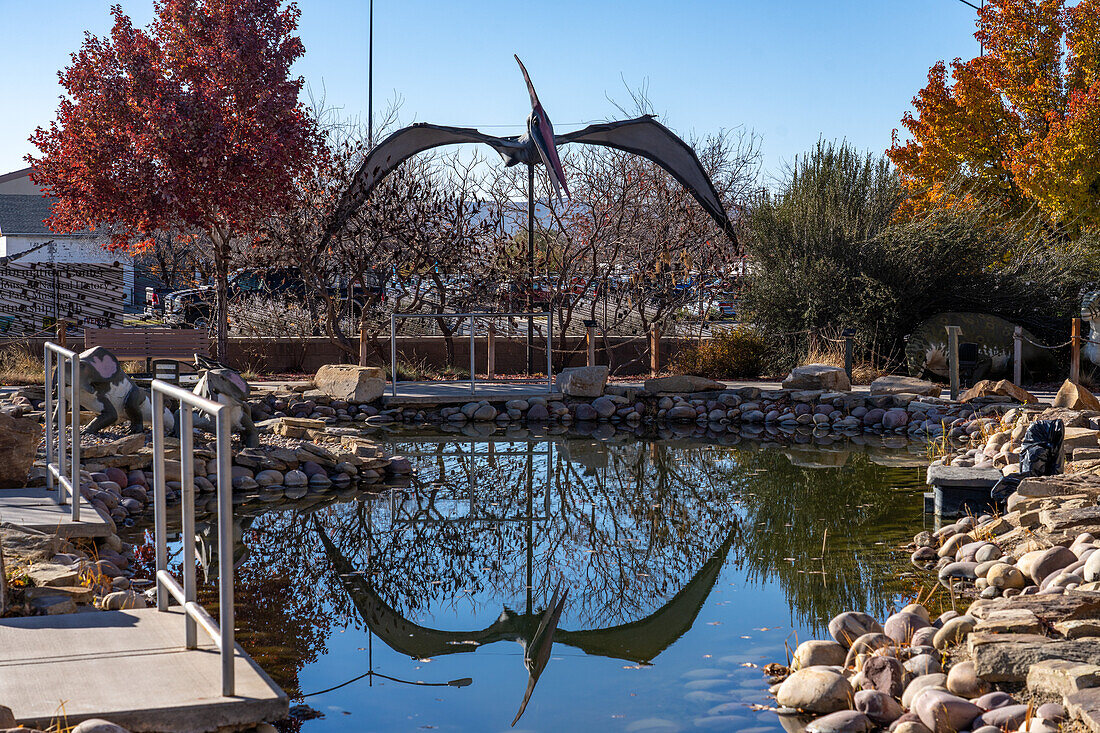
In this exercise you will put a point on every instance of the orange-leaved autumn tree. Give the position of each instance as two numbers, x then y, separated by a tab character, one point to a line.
191	124
1020	124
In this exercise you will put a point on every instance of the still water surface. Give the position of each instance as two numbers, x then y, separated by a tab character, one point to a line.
688	566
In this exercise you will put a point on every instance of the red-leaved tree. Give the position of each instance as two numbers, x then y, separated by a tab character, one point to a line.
192	123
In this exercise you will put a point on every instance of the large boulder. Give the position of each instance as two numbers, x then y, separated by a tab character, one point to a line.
1075	397
351	383
682	384
818	376
1003	388
19	438
815	690
895	384
586	381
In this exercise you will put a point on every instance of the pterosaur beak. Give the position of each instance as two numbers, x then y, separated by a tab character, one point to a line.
542	134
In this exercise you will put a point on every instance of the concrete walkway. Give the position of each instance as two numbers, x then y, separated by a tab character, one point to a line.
37	509
128	667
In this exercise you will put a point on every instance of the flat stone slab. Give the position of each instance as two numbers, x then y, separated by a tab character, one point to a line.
1084	707
1064	485
1048	608
129	667
1007	657
1065	520
455	393
963	477
36	508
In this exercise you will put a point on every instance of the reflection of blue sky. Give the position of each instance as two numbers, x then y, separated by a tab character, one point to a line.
706	677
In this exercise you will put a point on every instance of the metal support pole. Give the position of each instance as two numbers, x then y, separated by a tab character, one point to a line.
1018	356
848	335
48	407
490	351
473	375
654	351
187	530
549	352
393	353
160	529
1075	352
225	553
362	344
953	358
62	333
530	267
74	454
62	408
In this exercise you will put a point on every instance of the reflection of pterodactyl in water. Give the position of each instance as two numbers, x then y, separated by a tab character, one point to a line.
637	641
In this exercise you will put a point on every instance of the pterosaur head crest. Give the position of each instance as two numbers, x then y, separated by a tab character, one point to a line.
541	133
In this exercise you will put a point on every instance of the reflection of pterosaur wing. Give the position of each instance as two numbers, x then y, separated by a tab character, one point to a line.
395	150
537	653
644	639
400	634
648	138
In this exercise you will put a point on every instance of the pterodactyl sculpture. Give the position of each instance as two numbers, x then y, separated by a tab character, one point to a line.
642	136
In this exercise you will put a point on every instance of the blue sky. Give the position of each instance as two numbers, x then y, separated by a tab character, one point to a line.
790	70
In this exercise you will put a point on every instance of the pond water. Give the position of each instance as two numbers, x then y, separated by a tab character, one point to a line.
685	567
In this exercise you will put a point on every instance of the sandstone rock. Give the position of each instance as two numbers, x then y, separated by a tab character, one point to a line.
818	376
351	383
850	625
1010	621
1007	657
1084	707
19	438
815	690
1005	388
817	653
586	381
1075	397
895	384
682	384
1059	677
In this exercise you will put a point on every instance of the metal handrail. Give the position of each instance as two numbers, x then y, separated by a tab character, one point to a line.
548	315
56	470
220	631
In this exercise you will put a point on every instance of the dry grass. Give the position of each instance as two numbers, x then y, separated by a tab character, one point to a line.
831	353
21	365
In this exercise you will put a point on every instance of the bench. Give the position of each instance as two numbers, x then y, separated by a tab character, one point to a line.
161	344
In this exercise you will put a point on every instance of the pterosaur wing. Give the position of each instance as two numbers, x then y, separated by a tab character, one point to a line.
395	150
650	139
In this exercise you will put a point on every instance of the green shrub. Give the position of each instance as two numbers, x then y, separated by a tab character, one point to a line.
730	353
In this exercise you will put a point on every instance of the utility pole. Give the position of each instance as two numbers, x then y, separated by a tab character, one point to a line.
370	75
981	44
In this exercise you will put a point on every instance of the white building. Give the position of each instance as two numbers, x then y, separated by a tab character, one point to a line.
23	210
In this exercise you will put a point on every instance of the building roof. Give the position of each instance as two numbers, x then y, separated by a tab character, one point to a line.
24	214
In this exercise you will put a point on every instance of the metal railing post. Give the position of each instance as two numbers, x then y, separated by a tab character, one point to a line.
490	351
187	529
74	453
62	408
393	352
225	552
49	406
160	528
549	352
1018	356
953	358
473	374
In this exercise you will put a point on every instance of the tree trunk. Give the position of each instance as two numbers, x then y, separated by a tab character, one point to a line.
221	299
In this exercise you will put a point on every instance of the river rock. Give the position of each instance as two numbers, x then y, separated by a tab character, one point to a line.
901	626
1039	564
842	721
351	383
815	690
1091	569
1003	575
850	625
1006	717
943	712
922	664
911	726
605	407
919	685
878	706
7	717
98	725
584	412
818	377
954	631
963	681
885	674
815	653
19	438
867	644
122	600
